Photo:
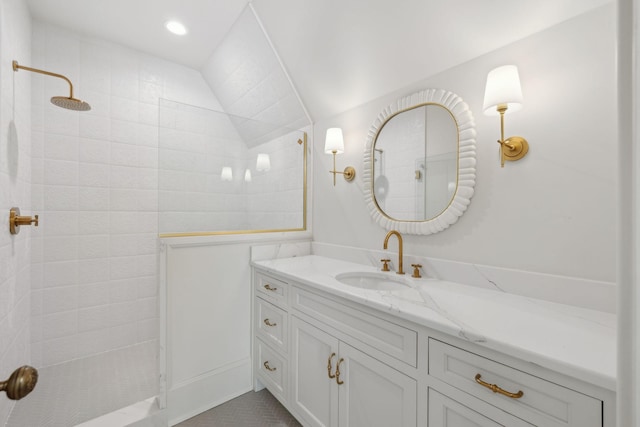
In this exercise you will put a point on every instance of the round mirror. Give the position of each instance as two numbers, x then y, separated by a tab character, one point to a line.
419	165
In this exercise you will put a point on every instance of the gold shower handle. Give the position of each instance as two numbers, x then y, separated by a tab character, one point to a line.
21	382
16	220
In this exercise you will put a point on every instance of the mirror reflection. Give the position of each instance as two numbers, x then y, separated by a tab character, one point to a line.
416	163
419	162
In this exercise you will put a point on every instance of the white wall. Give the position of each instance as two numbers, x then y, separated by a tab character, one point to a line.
15	179
95	185
552	212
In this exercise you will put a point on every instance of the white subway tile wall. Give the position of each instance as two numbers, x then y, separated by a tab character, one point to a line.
195	144
15	190
95	185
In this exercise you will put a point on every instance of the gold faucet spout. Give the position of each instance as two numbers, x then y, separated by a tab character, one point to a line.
386	243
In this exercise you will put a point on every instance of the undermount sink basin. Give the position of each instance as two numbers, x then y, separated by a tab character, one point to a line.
374	281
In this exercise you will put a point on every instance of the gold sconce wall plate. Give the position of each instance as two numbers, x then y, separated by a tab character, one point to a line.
349	173
515	148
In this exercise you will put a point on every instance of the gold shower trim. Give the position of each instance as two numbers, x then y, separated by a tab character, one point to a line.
259	231
60	101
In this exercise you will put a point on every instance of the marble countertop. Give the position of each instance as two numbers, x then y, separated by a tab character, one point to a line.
571	340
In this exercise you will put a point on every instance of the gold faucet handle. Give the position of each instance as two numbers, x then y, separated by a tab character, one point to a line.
385	264
416	270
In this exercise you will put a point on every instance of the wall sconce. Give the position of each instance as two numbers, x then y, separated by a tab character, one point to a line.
503	93
247	175
334	144
227	174
263	163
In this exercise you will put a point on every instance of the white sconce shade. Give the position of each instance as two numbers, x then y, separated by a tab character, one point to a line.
227	174
247	175
334	141
503	88
263	163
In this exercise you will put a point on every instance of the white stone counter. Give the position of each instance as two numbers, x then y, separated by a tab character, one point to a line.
571	340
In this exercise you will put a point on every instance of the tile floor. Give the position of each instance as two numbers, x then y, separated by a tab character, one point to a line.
74	392
251	409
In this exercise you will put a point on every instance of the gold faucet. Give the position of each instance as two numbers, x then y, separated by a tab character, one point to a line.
386	242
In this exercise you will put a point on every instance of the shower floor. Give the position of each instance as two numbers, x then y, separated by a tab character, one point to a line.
77	391
251	409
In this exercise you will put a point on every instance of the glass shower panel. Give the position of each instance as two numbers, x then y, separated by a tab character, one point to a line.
213	179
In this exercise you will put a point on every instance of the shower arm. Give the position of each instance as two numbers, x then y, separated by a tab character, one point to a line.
16	66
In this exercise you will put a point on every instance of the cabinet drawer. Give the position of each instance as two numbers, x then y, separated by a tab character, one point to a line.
271	323
272	369
446	412
272	288
394	340
542	402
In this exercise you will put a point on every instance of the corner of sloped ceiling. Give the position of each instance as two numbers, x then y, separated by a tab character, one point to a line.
254	89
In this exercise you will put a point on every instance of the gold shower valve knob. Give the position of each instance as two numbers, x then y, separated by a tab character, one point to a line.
16	220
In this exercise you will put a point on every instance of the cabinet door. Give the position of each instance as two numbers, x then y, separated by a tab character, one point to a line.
314	394
446	412
374	394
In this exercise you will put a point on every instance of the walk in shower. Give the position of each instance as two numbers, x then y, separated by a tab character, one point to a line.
106	182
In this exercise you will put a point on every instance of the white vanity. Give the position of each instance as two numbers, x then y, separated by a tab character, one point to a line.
425	352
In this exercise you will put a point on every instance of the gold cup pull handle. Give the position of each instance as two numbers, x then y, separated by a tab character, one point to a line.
329	366
494	388
269	288
268	323
269	368
21	382
338	381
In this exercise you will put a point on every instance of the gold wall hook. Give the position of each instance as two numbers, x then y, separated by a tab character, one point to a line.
15	220
21	382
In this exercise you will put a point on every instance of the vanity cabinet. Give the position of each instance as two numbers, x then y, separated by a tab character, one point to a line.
531	398
446	412
335	362
271	334
335	384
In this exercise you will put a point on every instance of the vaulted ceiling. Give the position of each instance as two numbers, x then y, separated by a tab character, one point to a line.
339	53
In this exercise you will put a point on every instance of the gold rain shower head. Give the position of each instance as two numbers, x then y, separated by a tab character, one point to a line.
70	103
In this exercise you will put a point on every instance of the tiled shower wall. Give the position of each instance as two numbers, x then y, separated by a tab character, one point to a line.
95	185
15	190
195	144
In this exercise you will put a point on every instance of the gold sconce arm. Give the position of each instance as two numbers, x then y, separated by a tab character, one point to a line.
512	148
349	172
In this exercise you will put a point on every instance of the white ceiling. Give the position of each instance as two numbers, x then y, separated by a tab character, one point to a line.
339	53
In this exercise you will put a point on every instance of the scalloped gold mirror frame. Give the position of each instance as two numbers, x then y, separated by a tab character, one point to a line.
466	161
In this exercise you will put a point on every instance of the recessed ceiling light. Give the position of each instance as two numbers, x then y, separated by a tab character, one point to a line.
176	27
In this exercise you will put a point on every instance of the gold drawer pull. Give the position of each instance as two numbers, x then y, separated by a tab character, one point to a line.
338	372
329	366
494	388
268	323
269	288
269	368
